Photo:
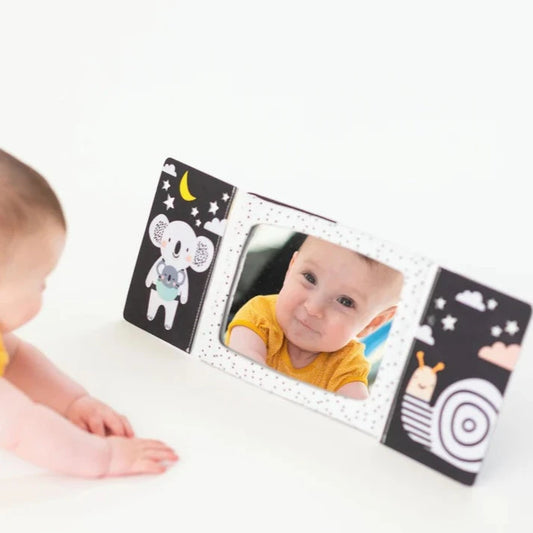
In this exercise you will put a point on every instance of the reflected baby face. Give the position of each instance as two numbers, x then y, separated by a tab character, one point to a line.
330	294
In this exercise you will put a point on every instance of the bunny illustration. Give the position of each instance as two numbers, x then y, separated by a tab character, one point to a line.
180	249
457	428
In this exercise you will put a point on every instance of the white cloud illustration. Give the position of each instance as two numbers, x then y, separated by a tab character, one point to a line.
170	169
425	334
216	226
472	299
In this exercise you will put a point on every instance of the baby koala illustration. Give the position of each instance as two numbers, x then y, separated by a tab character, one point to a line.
169	281
180	249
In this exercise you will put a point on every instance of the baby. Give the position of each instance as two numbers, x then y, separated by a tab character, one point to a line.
330	296
45	417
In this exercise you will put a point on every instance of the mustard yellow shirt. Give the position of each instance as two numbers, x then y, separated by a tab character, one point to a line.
329	370
4	357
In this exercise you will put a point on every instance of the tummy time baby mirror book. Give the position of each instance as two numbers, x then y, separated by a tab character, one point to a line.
437	367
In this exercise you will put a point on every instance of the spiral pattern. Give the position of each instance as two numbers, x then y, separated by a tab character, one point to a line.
463	419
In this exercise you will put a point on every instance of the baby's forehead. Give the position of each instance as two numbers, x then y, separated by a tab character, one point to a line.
328	254
313	246
352	267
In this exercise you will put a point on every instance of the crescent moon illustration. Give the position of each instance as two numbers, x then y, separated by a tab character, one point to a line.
184	188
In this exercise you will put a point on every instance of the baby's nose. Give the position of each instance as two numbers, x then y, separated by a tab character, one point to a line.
314	306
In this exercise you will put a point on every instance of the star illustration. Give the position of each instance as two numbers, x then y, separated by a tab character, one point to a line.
166	185
213	207
511	327
492	304
225	197
194	211
169	202
198	222
440	303
448	322
496	331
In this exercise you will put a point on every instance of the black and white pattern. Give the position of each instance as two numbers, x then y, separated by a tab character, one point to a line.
441	381
369	415
465	347
179	247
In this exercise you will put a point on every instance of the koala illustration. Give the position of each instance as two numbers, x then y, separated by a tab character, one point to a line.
180	249
168	281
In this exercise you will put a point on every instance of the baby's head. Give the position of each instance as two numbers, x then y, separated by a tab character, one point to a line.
32	236
331	295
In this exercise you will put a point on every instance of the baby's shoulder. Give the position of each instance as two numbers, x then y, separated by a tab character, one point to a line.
261	302
353	352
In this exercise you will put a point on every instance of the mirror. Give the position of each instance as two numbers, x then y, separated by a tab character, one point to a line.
312	310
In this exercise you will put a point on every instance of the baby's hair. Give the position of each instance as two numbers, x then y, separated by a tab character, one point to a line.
25	198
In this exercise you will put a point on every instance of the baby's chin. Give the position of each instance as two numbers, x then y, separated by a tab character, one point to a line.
305	344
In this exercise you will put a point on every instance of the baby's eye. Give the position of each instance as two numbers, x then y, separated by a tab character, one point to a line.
345	301
309	277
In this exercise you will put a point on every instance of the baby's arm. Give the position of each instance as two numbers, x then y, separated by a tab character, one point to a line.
38	434
247	342
31	372
356	389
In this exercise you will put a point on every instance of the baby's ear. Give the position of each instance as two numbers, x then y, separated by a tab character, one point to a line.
378	321
293	259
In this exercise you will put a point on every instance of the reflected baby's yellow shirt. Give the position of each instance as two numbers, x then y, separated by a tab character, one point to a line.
4	357
329	371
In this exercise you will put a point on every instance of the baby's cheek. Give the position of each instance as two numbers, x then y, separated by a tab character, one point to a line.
33	308
346	332
20	315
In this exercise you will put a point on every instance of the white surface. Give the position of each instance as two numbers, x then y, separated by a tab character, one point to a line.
424	109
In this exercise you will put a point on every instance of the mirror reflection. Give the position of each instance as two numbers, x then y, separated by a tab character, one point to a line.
312	310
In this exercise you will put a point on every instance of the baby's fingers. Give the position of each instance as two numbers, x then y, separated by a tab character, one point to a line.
139	456
147	466
153	444
127	427
117	425
96	425
155	459
161	455
158	450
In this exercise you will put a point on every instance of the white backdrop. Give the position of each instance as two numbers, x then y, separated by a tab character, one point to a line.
410	120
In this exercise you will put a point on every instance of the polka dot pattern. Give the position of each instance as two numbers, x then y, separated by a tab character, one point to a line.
367	415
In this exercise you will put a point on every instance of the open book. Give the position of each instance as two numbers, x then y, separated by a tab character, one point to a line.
438	369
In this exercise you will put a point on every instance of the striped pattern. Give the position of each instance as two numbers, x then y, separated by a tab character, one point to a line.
416	417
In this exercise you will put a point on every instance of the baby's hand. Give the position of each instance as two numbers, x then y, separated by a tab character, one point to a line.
139	456
96	417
